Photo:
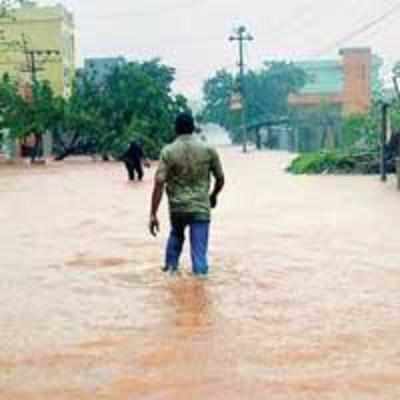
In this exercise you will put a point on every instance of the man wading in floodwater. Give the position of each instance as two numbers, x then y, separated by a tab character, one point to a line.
134	160
185	169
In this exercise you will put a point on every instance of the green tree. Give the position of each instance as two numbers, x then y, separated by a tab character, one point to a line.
133	102
10	105
32	114
137	104
266	95
217	92
80	124
361	130
268	90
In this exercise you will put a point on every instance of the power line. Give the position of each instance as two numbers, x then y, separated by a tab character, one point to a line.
364	28
308	21
241	36
300	14
304	21
304	17
307	18
35	59
313	29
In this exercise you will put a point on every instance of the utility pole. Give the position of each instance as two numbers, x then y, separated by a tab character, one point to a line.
241	36
384	136
34	63
35	59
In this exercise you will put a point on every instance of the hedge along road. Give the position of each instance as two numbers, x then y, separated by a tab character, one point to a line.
302	301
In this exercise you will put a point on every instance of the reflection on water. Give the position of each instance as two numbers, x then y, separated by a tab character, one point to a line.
193	306
302	300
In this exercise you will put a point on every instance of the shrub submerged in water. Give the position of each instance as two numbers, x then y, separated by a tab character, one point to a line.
334	162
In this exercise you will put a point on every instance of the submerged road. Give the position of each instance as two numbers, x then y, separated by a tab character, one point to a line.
302	302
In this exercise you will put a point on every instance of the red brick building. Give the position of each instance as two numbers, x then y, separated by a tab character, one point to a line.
346	83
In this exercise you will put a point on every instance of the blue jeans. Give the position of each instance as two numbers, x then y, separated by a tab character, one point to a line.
199	234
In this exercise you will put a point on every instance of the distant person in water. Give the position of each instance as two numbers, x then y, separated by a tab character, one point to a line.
134	161
185	170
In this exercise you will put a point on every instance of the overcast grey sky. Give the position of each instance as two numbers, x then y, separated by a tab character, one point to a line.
191	35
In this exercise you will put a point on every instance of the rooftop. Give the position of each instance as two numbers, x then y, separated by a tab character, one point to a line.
32	11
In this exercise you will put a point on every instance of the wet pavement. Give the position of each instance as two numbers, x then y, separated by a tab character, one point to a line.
302	302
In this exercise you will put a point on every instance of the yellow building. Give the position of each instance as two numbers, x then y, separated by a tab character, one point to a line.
44	35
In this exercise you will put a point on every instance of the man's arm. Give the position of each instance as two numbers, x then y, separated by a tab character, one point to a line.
218	186
159	184
218	173
158	191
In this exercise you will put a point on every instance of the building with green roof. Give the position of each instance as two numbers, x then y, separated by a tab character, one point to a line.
347	83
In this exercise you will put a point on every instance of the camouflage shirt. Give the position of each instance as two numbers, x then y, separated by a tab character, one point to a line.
186	167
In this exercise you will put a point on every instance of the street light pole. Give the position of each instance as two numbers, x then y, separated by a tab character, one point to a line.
242	36
35	59
384	137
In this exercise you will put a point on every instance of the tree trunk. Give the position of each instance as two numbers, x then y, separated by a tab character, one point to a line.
68	150
65	154
324	137
258	139
36	147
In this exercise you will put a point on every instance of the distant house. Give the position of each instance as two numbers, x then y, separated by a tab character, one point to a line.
346	83
44	36
48	33
101	67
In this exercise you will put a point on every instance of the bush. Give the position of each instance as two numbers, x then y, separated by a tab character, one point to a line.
334	162
360	131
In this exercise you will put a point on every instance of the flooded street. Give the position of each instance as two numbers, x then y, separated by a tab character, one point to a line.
302	301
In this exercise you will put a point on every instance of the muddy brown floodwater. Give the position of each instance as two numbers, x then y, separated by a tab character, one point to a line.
302	302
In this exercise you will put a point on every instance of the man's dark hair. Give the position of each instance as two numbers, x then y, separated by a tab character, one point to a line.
184	124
